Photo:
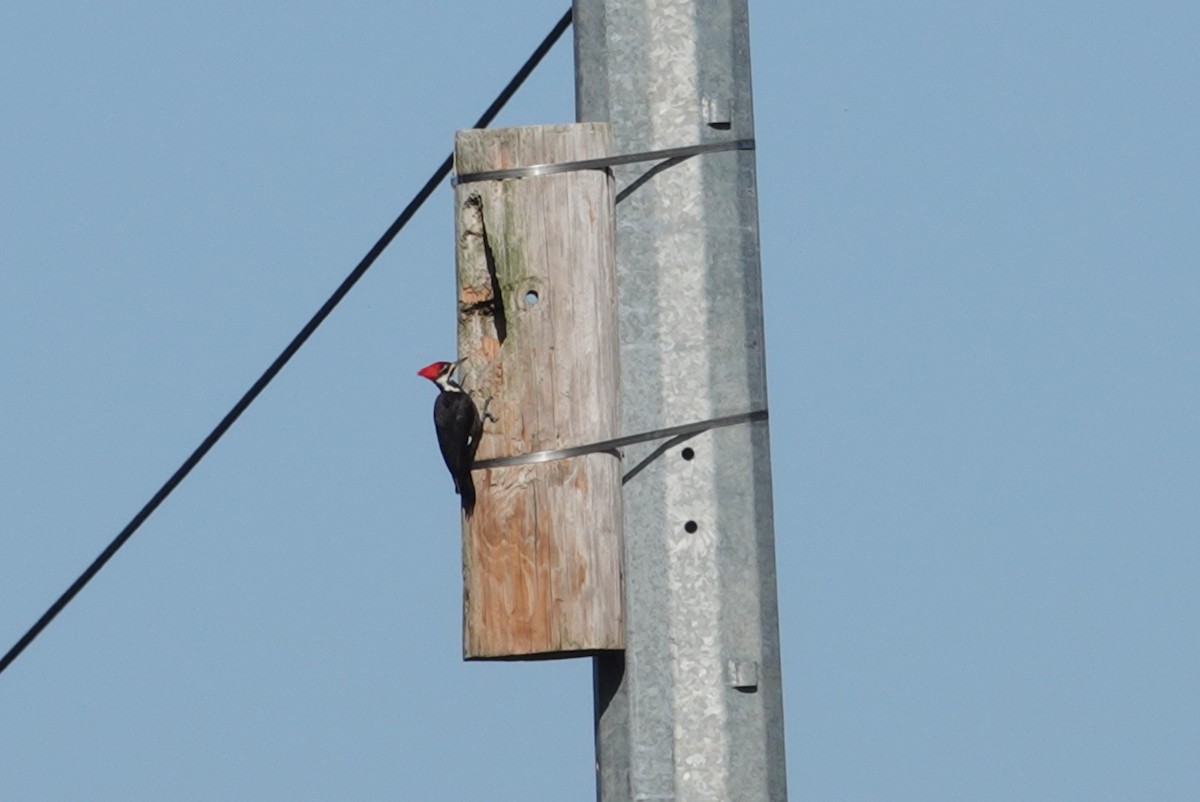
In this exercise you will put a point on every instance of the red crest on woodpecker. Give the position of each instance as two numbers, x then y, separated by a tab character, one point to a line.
433	370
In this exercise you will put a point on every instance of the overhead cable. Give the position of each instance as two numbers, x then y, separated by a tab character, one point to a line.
439	175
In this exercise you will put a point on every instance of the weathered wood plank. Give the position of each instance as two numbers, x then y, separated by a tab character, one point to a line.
538	321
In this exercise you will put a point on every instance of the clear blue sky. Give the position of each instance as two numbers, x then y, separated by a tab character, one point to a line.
981	257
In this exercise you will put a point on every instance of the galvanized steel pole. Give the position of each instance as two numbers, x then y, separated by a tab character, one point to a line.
692	710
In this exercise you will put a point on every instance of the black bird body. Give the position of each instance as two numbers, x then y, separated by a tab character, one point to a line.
459	427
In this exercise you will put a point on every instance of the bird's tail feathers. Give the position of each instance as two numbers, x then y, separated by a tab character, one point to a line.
466	488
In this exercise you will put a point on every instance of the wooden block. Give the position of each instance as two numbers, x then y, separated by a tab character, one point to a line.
537	319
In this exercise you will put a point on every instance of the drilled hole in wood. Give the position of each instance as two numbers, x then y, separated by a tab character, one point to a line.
687	453
690	527
531	298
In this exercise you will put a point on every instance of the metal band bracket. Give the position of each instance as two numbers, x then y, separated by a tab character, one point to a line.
684	431
603	162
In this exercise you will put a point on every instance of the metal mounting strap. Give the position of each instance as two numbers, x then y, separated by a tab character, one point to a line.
680	433
603	162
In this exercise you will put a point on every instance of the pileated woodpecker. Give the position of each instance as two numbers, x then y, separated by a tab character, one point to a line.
458	427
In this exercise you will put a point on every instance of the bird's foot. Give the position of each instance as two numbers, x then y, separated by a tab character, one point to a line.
485	414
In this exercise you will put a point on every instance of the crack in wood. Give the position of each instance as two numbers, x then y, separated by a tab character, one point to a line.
493	306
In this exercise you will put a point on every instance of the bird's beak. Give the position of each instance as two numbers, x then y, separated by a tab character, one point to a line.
455	365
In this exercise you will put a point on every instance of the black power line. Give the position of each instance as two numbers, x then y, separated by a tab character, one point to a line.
439	175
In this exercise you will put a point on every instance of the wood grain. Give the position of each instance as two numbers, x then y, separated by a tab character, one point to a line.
537	318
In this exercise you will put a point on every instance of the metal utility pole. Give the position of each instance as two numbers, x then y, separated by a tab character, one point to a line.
692	710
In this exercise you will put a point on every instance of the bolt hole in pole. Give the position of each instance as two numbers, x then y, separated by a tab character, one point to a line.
531	298
690	527
688	454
